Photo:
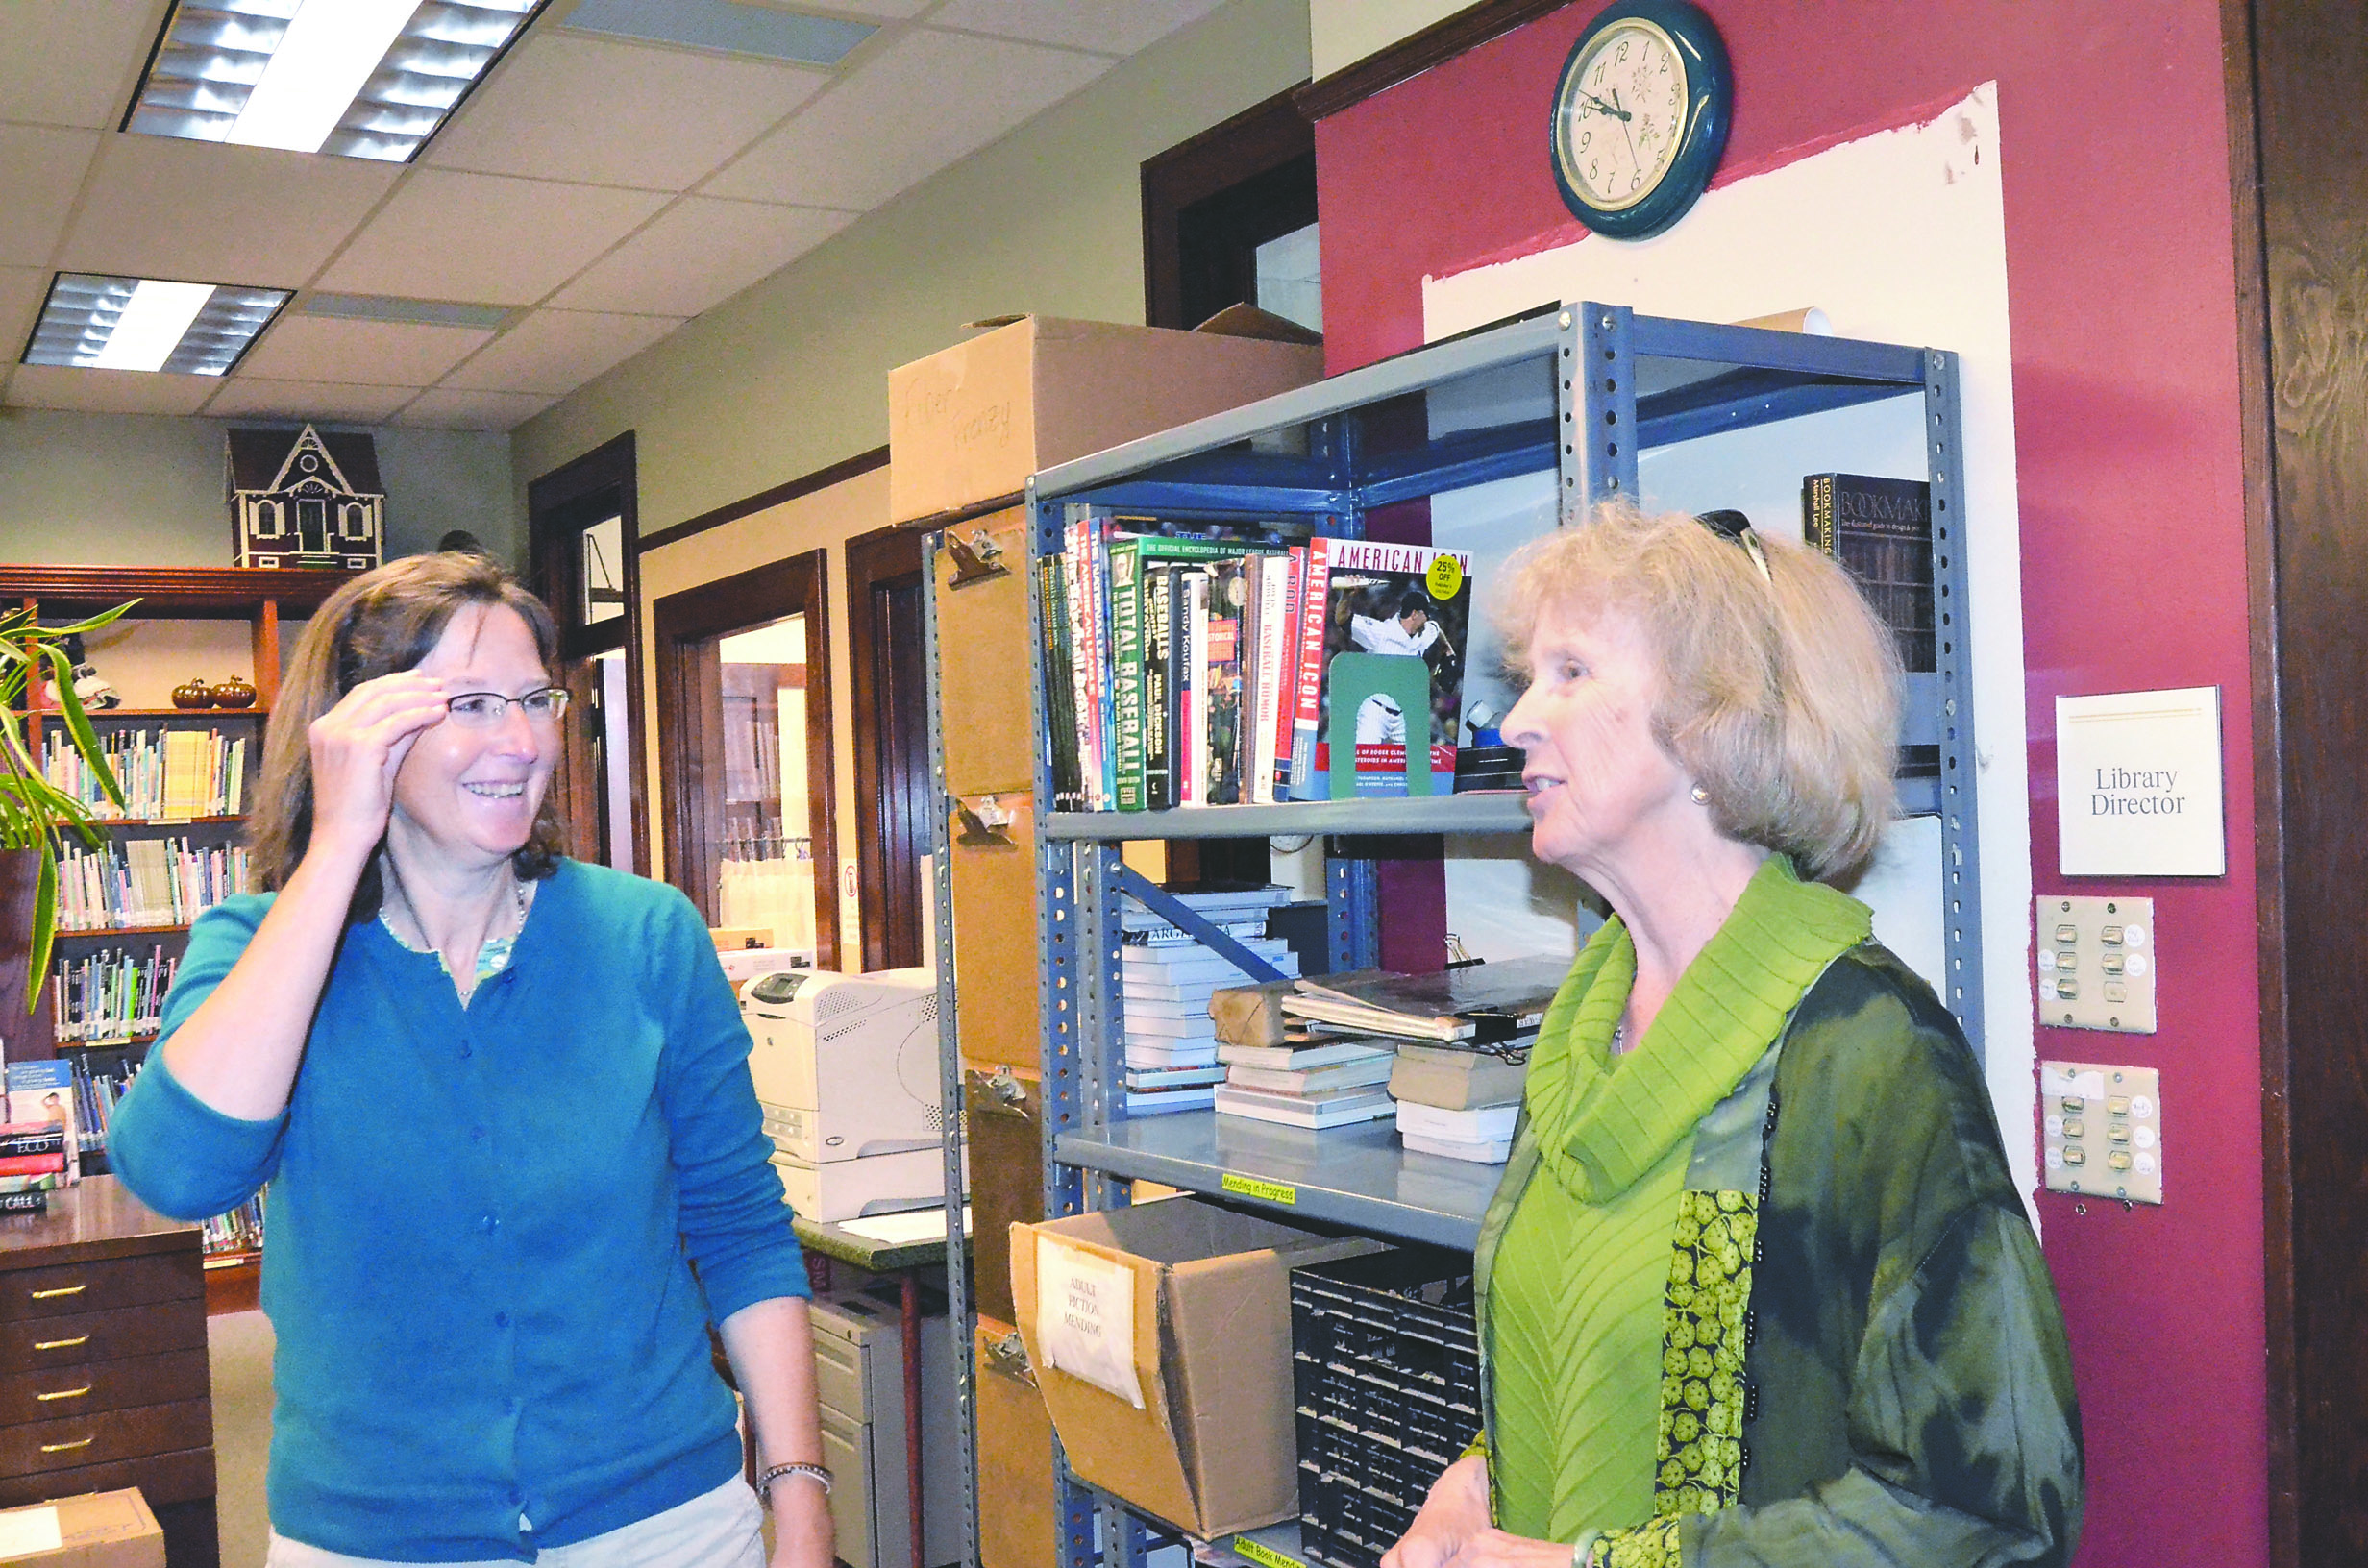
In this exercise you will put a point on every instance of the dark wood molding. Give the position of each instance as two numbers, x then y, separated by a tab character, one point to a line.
935	522
690	723
1410	57
822	479
2299	185
609	473
199	592
1261	138
889	831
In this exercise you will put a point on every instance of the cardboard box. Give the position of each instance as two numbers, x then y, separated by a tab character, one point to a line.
98	1530
971	423
1165	1358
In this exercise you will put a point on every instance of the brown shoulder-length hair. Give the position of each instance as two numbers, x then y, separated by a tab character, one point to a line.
381	621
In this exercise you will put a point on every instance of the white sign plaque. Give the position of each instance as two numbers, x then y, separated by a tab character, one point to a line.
1085	1317
2138	784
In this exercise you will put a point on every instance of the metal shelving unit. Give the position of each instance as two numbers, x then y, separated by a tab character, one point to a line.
1577	391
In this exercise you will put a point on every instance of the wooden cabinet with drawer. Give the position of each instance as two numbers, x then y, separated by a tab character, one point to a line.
103	1373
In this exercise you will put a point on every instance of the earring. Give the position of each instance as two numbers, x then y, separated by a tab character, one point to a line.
1701	796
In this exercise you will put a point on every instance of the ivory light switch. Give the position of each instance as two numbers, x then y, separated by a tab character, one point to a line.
2097	964
2102	1132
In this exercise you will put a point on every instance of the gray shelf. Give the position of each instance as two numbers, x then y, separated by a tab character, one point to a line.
1358	1176
1277	1546
1492	811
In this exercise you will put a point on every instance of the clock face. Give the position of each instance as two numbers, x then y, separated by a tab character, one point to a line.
1621	116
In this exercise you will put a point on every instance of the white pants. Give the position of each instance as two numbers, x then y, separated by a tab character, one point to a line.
721	1529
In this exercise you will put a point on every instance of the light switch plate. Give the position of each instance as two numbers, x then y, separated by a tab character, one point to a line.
2101	1131
2097	963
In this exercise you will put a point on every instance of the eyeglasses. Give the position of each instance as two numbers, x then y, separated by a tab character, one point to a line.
486	710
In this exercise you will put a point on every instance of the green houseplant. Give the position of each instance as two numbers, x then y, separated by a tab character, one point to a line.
34	815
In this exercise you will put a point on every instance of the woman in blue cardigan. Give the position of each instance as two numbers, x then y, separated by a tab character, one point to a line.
501	1099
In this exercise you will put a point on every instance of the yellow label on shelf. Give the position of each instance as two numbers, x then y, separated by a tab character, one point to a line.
1259	1552
1445	578
1250	1187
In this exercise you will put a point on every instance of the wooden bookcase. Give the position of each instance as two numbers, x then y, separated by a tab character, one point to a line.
187	622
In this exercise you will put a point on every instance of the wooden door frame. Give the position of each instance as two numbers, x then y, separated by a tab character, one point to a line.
2299	181
886	558
554	504
690	723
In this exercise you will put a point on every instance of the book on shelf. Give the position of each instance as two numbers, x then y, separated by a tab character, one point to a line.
1455	1080
1161	1102
1369	597
236	1233
1152	1052
1310	1053
1176	964
31	1138
1144	1024
1485	1152
140	882
1479	1124
1247	903
164	774
1060	683
1151	1078
1335	1108
1475	1001
1190	994
43	1091
112	995
1882	531
1315	1080
23	1201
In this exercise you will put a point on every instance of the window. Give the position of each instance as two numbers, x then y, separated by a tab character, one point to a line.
1230	218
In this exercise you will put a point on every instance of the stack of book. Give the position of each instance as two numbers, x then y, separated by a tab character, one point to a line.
1169	977
40	1148
1459	1045
1313	1078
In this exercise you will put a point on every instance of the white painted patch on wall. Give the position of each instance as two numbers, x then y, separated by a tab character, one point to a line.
1899	236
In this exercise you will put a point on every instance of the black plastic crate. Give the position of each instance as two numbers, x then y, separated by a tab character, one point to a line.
1387	1372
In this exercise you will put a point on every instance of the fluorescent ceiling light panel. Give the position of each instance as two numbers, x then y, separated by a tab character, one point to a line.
328	53
725	26
100	323
353	78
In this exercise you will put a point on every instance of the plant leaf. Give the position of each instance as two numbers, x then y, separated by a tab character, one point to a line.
44	924
105	617
78	723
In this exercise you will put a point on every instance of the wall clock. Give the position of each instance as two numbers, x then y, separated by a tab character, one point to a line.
1641	116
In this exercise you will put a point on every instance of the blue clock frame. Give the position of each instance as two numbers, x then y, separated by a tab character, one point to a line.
1710	112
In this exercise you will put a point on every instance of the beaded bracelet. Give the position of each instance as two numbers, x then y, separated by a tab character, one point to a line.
812	1472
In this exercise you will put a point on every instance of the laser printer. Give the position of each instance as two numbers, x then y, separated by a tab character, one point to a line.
846	1071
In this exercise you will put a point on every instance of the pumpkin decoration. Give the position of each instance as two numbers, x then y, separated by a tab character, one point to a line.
192	694
237	691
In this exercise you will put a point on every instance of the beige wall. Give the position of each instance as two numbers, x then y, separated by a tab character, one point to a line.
1343	32
147	489
791	375
821	521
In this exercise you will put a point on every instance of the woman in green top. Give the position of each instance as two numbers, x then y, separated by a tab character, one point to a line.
1757	1286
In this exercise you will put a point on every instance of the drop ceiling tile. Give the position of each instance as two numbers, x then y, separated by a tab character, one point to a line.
74	61
700	252
159	207
22	290
892	10
40	170
618	114
361	352
558	351
485	238
109	391
867	138
1119	28
443	408
249	397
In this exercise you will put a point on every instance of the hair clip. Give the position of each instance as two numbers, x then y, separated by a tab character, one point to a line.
1729	524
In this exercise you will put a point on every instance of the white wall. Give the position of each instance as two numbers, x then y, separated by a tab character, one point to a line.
1343	32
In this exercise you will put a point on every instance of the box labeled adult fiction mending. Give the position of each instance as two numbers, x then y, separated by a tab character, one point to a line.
1161	1338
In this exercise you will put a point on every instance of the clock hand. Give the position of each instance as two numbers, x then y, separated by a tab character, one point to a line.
1623	127
1602	107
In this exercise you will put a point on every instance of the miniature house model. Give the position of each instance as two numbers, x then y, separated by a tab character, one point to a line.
301	499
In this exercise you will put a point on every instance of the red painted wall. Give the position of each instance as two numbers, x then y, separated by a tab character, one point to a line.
2121	285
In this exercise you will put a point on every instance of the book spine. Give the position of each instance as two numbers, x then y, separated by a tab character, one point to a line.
1274	643
1158	748
1224	684
1193	756
1126	670
1080	659
1309	780
1287	685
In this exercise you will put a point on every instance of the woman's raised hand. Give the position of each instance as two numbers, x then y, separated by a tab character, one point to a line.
357	747
1456	1512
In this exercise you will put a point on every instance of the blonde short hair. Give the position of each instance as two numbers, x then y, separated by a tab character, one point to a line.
1780	695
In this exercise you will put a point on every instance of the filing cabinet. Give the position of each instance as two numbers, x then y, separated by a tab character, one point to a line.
859	1374
103	1372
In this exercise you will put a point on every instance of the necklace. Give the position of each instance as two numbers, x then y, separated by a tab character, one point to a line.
410	914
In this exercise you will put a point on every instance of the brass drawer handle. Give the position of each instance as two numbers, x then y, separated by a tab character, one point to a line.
62	1290
61	1344
68	1448
64	1393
